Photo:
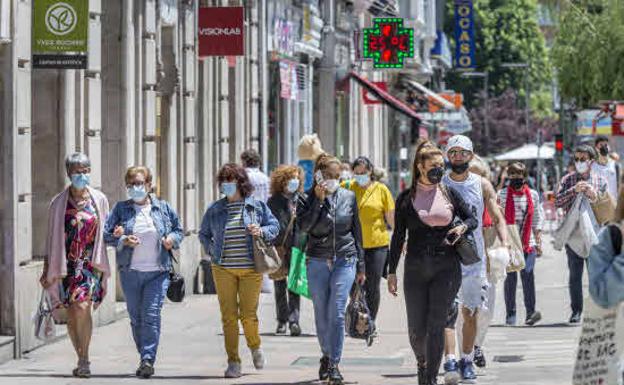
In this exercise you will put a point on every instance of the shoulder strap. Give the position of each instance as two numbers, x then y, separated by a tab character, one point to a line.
616	238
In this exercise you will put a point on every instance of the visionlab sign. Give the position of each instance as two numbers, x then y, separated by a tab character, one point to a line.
59	38
221	31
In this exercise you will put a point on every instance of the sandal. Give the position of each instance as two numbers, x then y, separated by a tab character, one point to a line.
83	370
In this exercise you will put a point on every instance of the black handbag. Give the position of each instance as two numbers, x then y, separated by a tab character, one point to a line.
466	248
177	287
358	321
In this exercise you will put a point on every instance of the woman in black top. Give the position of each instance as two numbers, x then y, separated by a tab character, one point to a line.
286	186
430	213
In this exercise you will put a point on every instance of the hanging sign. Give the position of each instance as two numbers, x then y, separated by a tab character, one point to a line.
464	35
59	34
221	31
388	43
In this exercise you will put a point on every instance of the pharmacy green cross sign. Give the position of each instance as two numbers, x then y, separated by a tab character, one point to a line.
388	43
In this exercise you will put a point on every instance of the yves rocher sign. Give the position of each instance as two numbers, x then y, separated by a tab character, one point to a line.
221	31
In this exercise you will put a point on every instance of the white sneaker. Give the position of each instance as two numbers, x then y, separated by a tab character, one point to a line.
258	358
233	370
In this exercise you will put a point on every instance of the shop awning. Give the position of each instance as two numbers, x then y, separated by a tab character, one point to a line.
384	96
438	99
528	152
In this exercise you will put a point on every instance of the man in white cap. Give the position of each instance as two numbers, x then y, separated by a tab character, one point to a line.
479	193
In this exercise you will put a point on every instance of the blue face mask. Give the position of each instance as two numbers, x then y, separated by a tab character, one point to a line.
293	185
80	181
362	179
137	193
228	189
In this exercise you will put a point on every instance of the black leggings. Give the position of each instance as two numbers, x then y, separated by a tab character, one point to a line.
375	260
431	282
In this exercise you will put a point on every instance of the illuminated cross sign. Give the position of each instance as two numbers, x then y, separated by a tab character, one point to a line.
388	43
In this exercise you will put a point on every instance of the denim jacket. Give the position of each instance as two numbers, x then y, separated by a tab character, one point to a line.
212	230
606	270
166	222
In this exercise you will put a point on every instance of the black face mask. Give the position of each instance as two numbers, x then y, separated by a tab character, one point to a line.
460	168
435	175
604	151
516	183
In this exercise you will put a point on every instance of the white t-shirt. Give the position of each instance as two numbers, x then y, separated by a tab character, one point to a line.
145	256
609	172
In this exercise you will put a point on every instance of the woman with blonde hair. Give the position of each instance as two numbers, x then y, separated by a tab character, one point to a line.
286	186
145	230
329	216
76	269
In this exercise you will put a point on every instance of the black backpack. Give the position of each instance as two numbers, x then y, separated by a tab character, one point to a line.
358	321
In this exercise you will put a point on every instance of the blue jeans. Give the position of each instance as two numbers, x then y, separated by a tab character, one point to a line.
527	276
330	284
145	294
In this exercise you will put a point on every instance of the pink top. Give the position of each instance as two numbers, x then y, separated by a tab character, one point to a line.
432	206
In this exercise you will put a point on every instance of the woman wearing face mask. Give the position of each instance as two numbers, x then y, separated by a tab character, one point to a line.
522	207
145	230
376	212
426	213
226	235
329	216
286	184
76	270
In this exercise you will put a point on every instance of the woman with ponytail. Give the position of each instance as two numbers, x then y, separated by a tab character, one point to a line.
434	217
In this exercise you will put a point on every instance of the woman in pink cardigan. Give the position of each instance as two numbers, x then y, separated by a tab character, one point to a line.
76	270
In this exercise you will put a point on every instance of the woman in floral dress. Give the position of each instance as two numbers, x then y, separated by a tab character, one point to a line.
76	269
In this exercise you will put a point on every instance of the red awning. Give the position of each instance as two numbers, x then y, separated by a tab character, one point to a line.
384	96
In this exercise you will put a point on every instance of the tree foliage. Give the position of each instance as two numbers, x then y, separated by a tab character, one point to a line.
588	51
507	124
506	31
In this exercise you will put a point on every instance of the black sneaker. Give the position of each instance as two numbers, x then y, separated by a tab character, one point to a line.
575	318
281	328
479	357
146	370
533	318
295	329
324	369
335	378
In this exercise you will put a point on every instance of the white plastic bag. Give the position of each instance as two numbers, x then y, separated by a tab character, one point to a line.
45	328
499	260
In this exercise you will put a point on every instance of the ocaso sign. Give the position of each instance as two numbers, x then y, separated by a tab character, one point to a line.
221	31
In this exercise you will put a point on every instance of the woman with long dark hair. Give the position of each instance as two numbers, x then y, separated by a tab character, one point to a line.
433	216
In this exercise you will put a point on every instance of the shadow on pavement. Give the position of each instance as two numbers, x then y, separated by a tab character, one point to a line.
303	335
539	325
405	375
156	377
311	382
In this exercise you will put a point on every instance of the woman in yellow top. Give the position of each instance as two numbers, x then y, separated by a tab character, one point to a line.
376	211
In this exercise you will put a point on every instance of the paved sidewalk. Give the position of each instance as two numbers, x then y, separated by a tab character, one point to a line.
191	350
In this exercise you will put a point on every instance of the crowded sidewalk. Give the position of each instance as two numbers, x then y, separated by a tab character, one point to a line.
192	352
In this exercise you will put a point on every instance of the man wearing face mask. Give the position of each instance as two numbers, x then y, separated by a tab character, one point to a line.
582	181
522	207
478	193
605	166
144	229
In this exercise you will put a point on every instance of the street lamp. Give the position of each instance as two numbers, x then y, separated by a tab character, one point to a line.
486	123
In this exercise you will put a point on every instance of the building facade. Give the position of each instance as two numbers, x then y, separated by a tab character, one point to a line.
147	98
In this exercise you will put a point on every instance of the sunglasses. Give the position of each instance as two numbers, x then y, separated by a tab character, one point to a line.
581	159
463	153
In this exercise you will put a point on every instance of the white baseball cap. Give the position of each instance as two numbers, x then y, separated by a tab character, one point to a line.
460	141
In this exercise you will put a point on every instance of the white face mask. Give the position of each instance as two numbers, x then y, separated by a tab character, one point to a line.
581	167
332	185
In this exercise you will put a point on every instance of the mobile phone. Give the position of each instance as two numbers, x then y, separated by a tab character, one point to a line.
318	176
452	238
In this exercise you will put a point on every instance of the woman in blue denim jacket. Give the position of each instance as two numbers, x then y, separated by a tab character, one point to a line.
145	230
227	232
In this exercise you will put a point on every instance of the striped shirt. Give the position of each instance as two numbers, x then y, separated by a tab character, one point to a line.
520	202
235	251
